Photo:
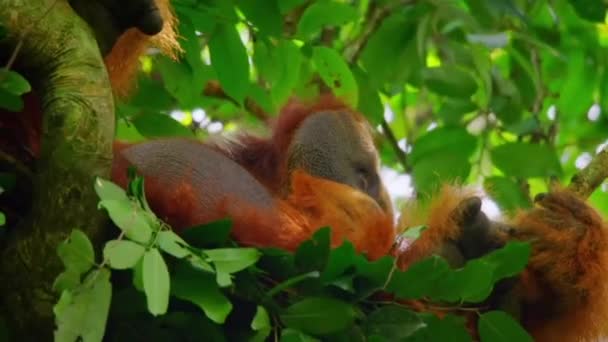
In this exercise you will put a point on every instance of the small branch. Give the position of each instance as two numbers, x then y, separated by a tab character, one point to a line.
390	136
17	164
588	179
328	35
213	89
377	16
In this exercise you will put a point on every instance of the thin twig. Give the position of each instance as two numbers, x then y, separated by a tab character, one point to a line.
390	136
213	89
376	18
17	164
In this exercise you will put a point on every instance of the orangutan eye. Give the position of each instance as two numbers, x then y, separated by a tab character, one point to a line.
363	179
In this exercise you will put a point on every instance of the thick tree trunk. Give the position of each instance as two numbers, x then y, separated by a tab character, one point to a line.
60	57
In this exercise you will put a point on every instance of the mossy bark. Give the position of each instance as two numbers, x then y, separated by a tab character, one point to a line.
60	57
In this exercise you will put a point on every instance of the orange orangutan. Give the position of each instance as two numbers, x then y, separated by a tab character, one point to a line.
320	168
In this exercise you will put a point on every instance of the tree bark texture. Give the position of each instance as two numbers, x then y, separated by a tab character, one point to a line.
61	59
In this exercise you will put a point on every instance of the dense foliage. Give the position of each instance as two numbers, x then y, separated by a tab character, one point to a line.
203	287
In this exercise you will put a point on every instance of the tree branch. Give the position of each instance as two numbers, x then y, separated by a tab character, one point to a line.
61	59
588	179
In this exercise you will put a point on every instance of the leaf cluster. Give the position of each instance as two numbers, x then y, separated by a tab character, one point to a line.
169	286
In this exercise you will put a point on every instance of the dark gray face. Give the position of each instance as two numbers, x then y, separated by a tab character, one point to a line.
334	146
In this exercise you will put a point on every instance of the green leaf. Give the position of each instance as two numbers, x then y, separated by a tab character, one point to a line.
123	254
576	94
523	74
482	12
369	99
150	96
336	74
419	279
262	98
231	260
212	234
592	10
2	219
129	218
153	125
136	189
171	243
526	160
316	17
436	169
509	260
319	315
340	259
452	110
312	254
107	190
292	335
229	60
264	15
261	324
376	272
261	320
507	194
67	280
498	326
14	83
483	66
472	283
138	275
76	252
278	262
441	155
180	81
450	80
444	140
156	282
509	110
10	101
288	58
393	323
83	314
413	233
390	54
200	289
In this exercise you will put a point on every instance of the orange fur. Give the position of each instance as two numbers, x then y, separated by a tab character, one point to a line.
316	203
439	218
123	60
353	215
188	198
564	289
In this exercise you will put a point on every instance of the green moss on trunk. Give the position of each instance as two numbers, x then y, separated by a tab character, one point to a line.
60	57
